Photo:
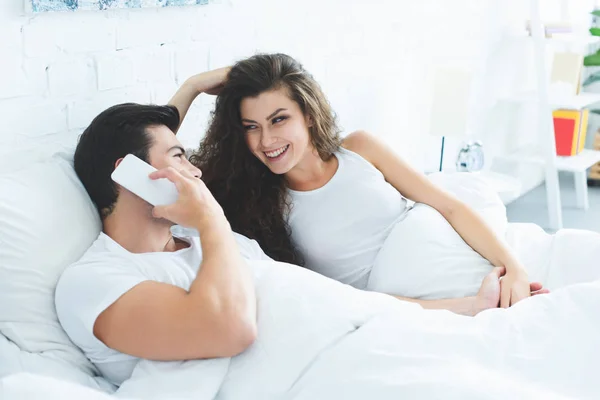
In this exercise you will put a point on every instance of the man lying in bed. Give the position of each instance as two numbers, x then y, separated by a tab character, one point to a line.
142	292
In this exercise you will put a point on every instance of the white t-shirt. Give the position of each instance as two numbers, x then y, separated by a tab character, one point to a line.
106	272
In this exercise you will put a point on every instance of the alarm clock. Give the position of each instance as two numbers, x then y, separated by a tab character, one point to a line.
470	157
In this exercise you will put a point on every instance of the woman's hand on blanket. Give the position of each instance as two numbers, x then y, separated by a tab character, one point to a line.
514	287
489	292
537	288
194	204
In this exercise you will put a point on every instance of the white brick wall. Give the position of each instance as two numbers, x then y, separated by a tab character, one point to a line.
189	58
46	35
71	76
115	70
32	118
82	111
154	67
13	79
59	70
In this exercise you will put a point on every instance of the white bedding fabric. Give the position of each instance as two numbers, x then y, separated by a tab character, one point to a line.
319	339
14	361
46	223
424	257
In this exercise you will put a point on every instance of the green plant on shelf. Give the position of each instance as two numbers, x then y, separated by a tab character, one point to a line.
593	60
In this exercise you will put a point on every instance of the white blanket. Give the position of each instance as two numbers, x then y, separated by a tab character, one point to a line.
319	339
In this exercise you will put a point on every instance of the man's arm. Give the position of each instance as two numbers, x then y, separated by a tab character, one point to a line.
487	297
216	318
465	306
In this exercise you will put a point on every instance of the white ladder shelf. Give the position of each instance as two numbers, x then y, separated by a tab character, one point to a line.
578	164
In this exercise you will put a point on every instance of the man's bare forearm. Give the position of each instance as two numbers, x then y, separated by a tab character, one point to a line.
224	275
464	306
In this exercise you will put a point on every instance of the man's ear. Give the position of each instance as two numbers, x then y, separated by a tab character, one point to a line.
118	162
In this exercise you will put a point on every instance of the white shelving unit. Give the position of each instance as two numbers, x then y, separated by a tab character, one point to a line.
575	39
570	39
578	165
581	162
545	152
575	102
545	123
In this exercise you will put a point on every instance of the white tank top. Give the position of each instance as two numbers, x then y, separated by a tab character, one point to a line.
340	227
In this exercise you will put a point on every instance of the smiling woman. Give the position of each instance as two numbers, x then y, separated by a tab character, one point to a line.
271	119
73	5
273	157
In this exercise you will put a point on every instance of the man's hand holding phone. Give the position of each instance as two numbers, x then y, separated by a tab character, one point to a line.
195	204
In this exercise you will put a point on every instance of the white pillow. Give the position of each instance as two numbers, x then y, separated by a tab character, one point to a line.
47	221
477	193
16	361
424	257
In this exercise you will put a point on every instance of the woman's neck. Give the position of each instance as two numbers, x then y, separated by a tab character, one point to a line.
311	172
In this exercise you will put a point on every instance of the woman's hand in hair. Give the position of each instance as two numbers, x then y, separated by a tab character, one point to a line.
210	82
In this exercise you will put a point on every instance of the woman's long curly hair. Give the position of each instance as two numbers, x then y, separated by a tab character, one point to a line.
254	199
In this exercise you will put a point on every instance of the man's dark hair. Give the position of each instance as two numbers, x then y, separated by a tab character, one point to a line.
116	132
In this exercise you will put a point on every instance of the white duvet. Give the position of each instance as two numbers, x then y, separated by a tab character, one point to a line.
319	339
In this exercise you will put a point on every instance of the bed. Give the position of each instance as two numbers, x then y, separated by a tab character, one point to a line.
47	221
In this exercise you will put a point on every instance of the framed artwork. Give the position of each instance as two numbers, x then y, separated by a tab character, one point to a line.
38	6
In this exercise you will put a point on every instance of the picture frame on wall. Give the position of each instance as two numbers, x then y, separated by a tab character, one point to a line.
41	6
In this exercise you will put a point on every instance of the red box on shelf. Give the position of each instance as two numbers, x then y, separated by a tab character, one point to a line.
570	128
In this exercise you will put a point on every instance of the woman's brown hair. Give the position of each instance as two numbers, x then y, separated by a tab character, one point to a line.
254	199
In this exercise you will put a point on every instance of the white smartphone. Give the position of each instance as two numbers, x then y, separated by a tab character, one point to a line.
132	173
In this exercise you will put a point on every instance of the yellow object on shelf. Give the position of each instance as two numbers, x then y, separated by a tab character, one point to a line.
595	171
570	128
